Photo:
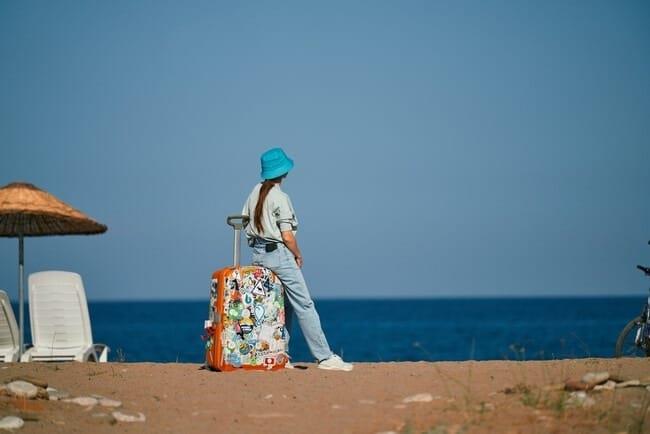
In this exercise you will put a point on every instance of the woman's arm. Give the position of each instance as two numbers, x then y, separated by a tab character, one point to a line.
292	244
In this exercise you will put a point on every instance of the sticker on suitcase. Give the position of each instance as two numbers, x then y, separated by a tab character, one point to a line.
253	318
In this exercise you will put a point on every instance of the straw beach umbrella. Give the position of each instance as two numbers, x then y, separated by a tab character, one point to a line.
27	211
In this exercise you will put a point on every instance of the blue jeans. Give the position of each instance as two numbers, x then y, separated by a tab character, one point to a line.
282	263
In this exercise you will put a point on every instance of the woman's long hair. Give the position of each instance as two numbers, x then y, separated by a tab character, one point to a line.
267	185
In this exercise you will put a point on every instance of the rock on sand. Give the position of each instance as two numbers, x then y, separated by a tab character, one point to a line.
123	417
419	397
84	401
11	422
22	389
593	378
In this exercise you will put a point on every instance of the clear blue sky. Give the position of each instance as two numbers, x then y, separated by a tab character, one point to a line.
441	148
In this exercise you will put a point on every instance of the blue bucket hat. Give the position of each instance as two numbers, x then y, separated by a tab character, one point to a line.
275	163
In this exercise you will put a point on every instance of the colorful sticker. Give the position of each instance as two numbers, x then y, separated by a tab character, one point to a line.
259	314
253	320
246	325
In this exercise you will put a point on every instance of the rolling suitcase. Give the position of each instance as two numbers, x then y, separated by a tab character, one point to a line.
245	329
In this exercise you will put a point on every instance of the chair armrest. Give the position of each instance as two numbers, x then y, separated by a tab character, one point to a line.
95	353
102	350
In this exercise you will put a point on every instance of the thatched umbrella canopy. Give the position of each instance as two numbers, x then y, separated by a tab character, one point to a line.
27	211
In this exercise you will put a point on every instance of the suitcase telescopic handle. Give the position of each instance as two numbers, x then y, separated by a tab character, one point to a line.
238	222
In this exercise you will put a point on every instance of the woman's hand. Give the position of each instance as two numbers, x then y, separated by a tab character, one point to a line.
292	244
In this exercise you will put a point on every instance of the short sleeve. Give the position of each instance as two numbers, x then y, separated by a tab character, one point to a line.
244	212
284	214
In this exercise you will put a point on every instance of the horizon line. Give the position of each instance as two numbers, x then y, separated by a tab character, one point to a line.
387	298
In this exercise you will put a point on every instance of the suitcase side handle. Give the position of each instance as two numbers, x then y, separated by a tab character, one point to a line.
238	222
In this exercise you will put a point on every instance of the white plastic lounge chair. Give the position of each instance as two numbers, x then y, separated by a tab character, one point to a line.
58	313
8	331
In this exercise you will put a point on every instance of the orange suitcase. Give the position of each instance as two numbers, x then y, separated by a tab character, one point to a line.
245	329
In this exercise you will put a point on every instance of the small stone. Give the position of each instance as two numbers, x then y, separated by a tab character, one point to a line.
123	417
22	389
11	422
617	378
336	407
580	399
594	378
629	383
610	385
107	402
269	396
84	401
33	380
419	397
55	394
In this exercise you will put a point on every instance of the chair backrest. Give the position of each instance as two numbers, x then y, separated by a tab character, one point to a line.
8	327
58	310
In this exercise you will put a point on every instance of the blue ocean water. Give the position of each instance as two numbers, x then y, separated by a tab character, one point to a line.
389	330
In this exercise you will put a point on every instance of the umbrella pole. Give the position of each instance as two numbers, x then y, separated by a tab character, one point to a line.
21	293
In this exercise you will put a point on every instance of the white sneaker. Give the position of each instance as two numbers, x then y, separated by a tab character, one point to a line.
288	365
335	363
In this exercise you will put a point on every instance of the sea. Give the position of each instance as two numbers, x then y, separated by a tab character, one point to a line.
383	330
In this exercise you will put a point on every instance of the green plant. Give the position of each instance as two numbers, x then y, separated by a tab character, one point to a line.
440	429
556	403
531	398
408	429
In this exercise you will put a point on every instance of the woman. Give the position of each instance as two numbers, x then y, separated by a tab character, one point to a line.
270	232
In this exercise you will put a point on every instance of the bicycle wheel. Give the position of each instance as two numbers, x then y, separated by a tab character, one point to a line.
625	346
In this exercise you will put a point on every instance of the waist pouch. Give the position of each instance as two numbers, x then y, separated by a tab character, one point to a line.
269	246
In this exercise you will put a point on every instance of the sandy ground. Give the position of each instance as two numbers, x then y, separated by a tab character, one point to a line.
472	397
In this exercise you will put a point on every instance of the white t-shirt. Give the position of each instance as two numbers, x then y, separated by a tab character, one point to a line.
277	215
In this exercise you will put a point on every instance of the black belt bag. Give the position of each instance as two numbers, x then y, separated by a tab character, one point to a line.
268	246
